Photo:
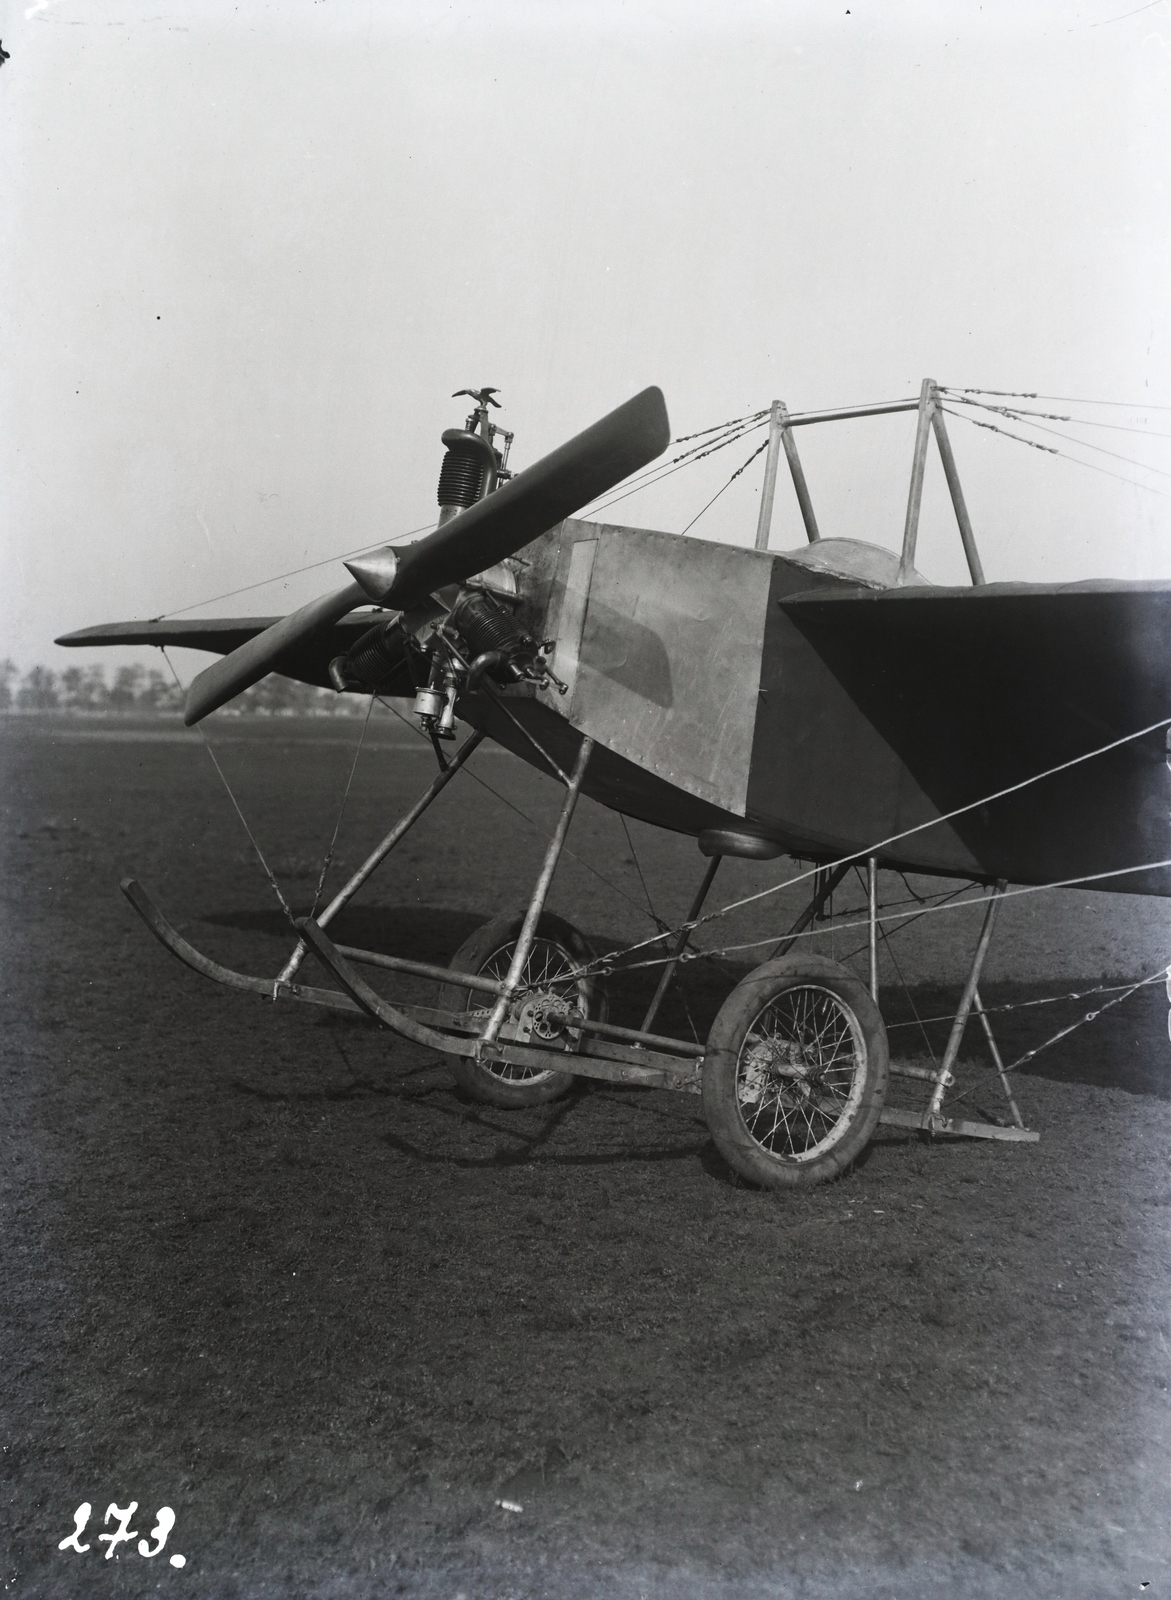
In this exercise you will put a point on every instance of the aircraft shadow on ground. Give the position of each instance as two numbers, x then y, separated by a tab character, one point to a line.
1126	1047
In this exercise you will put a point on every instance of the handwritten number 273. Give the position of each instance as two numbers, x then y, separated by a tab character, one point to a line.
123	1533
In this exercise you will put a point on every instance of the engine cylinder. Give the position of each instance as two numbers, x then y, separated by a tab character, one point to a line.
486	626
459	479
468	471
373	662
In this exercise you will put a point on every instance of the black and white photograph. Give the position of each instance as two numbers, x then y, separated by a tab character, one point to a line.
585	786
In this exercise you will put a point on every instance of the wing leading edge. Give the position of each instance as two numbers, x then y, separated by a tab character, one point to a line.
308	661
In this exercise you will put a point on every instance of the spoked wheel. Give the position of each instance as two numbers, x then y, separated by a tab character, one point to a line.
795	1072
548	1012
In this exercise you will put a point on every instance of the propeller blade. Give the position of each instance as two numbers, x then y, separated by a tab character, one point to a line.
234	673
537	498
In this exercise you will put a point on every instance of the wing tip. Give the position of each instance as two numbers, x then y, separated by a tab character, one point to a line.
652	406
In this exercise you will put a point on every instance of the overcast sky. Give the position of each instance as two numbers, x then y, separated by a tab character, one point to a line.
248	251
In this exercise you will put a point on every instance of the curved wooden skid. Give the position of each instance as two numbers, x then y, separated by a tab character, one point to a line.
270	988
612	1060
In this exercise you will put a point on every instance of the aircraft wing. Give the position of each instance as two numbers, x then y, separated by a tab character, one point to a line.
964	692
308	661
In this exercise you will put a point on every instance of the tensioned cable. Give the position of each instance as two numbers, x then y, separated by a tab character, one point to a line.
1084	444
1063	399
997	1010
907	833
894	961
279	577
698	951
736	422
654	915
728	485
667	469
325	865
911	916
268	872
1063	1033
1051	450
1019	413
817	413
1041	1000
1009	1005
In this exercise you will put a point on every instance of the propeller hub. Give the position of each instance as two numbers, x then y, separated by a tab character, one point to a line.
376	572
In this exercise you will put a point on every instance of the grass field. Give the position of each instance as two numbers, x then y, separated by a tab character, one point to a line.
265	1265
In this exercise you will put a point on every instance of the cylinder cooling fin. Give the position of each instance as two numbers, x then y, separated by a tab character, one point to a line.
468	471
486	625
376	663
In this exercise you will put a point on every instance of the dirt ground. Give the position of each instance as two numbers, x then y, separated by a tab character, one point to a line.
265	1266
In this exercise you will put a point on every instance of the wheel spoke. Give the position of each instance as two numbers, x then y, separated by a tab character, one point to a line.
800	1072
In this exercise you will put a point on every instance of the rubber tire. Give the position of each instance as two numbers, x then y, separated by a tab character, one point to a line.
473	956
739	1013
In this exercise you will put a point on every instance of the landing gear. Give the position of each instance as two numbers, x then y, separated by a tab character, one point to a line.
795	1072
547	1011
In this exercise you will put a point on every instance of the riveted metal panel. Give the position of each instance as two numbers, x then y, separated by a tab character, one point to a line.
667	669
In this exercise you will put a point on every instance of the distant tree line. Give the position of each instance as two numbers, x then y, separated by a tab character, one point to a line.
146	689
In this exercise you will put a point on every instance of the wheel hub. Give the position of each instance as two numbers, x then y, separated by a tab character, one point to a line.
767	1059
542	1014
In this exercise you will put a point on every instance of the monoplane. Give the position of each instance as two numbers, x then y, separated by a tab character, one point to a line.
828	703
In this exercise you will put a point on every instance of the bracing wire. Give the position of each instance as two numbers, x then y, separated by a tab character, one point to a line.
1039	1000
1062	399
656	474
1053	451
728	485
260	856
736	422
1019	413
327	862
1085	444
654	915
1062	1033
295	572
906	988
